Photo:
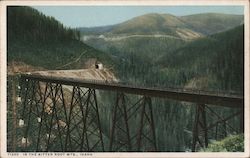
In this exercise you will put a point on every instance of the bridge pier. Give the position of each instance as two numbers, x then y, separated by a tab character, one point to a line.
201	129
147	123
121	136
200	124
120	133
55	122
92	120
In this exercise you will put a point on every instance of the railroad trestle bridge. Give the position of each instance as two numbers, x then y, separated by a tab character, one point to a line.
62	114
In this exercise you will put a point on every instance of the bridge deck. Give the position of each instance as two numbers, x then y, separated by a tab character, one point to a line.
196	96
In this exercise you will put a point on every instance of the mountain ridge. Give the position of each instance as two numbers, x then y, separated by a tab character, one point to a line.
211	23
155	23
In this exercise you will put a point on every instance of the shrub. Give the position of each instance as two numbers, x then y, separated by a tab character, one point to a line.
233	143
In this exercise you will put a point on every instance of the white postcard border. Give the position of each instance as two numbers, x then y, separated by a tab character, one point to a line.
3	65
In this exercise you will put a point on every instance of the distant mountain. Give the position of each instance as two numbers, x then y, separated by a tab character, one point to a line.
42	41
149	24
185	27
211	23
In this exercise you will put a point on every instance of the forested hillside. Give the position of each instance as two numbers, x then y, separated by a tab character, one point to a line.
218	58
203	62
145	47
39	40
214	62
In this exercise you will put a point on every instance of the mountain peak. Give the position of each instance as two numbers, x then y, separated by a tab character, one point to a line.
156	14
150	24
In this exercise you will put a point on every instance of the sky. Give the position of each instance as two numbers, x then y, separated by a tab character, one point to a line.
90	16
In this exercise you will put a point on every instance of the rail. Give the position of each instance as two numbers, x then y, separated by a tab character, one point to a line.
229	99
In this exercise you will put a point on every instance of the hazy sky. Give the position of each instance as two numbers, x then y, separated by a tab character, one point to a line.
88	16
